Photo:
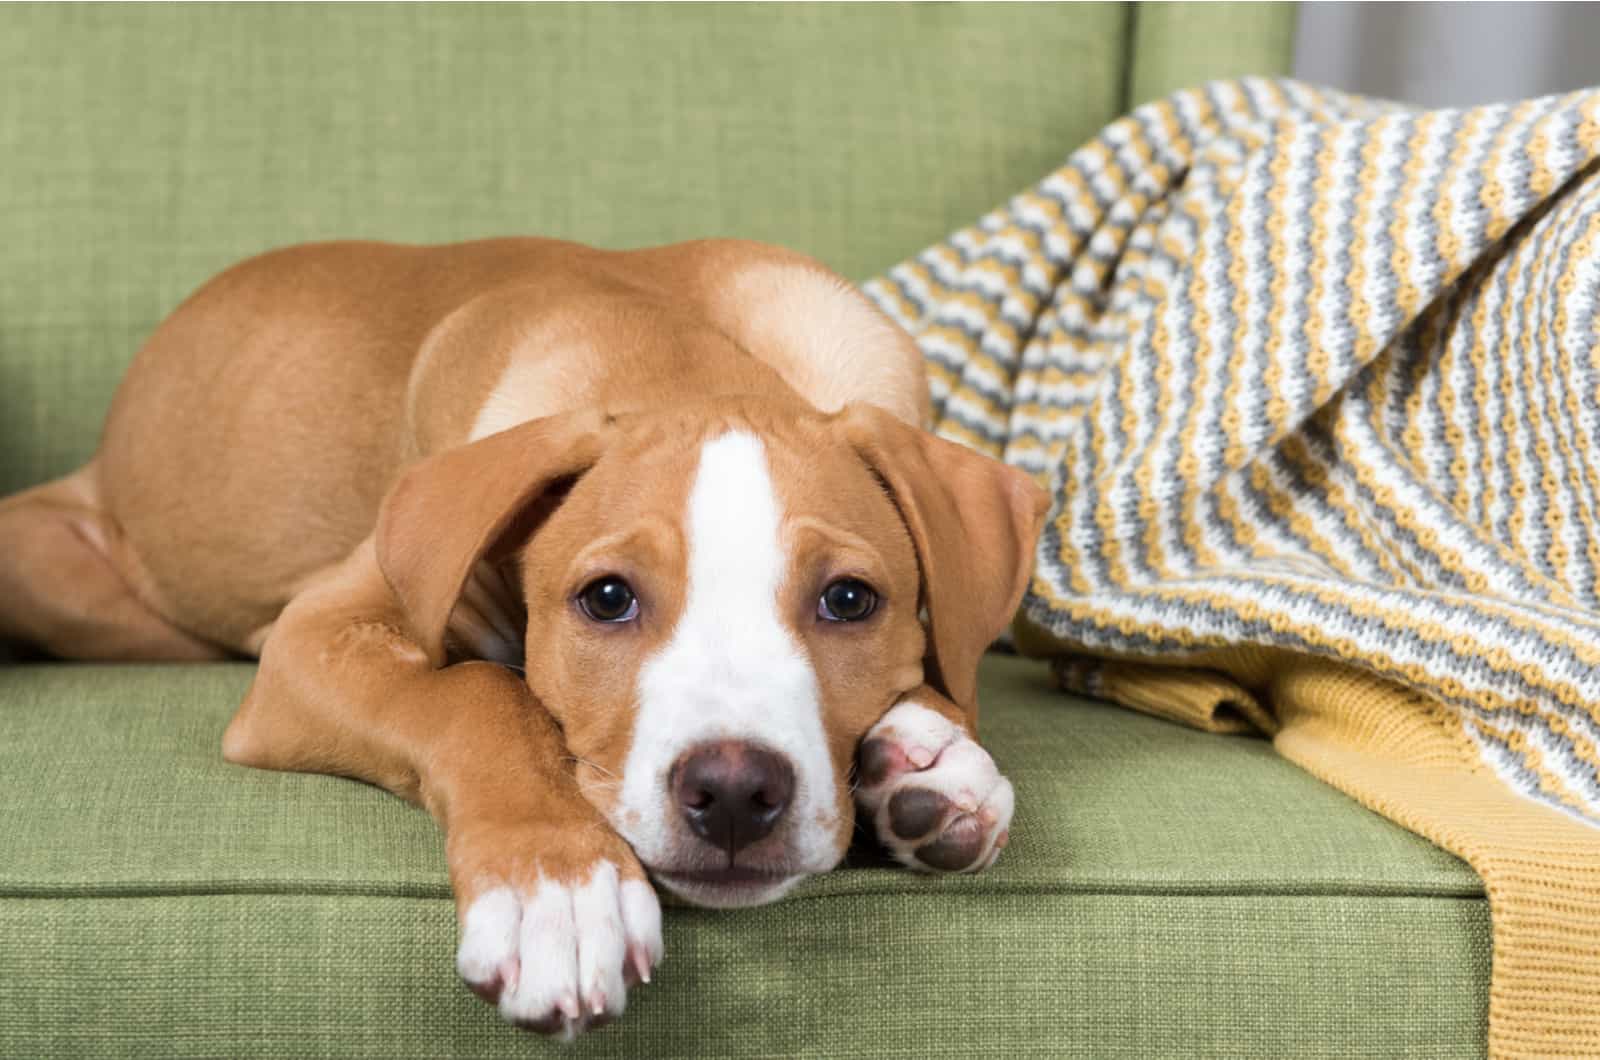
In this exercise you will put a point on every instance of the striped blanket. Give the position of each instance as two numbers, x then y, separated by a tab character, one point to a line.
1315	382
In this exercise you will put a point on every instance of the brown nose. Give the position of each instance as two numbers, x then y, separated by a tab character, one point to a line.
731	793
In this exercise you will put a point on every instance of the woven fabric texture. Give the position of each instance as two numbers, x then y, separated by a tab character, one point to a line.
1312	378
1165	893
147	148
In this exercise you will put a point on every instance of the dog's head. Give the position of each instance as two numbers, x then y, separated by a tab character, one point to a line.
720	601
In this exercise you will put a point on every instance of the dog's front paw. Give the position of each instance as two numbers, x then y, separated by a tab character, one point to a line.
556	948
935	798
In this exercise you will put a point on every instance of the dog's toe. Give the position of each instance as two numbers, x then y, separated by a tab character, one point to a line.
557	957
936	798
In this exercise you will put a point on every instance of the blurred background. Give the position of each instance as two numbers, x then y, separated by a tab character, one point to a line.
1449	54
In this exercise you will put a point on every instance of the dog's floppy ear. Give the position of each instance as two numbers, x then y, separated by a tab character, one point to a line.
448	511
974	522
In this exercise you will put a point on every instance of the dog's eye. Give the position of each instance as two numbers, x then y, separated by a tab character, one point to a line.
609	599
847	600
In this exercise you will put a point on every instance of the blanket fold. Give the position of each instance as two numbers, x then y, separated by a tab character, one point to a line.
1316	384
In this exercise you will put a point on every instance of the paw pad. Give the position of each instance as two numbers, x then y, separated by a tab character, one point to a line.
935	797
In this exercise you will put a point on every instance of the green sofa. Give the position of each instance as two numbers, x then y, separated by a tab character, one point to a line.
1166	893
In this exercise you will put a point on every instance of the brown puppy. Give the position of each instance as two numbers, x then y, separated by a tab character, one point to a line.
683	490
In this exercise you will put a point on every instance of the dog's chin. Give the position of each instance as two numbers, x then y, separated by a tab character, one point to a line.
726	888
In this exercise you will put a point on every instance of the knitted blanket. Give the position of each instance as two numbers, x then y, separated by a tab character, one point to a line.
1315	382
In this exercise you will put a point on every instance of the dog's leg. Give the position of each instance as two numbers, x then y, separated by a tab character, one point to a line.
61	589
935	798
556	916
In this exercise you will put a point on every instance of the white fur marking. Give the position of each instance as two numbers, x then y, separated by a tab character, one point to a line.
602	945
534	385
641	917
549	980
489	935
562	949
824	338
959	769
731	669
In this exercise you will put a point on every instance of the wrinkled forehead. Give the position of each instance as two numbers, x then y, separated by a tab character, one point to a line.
794	480
831	499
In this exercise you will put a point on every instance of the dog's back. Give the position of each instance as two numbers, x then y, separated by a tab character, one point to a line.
258	429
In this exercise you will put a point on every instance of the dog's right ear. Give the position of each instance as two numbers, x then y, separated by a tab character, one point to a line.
450	510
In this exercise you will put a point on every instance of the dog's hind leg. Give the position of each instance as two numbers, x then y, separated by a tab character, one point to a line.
62	590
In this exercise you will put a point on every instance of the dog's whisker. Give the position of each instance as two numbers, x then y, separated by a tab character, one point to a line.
580	760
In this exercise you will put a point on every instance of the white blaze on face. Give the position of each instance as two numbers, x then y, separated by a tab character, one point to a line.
731	669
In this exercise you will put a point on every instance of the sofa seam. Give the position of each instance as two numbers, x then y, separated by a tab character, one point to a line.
433	894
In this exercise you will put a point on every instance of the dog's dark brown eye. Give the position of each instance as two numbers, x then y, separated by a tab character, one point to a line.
609	599
847	600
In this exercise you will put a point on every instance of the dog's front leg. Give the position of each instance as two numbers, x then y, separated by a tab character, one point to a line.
935	798
556	916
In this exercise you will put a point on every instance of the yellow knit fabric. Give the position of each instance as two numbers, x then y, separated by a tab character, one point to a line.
1407	759
1405	756
1315	382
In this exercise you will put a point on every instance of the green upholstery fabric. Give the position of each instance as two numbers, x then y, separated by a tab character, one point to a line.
147	147
1165	893
1176	46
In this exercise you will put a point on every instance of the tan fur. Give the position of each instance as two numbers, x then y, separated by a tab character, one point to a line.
365	461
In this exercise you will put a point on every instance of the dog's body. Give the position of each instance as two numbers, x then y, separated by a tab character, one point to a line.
685	487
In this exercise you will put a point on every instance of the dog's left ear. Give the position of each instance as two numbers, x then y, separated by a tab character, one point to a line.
974	522
454	508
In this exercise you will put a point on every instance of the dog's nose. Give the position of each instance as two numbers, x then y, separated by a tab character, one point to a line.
732	793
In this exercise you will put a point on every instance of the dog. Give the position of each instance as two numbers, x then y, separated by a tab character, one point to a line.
636	569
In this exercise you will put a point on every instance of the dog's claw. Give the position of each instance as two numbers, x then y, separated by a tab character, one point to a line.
640	962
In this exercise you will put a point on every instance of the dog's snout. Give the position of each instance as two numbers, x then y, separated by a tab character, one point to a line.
732	793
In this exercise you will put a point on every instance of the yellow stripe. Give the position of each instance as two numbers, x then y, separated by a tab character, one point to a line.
1322	187
1277	409
1200	323
1233	451
1511	420
1069	560
1448	246
1155	554
1360	313
1407	296
1543	346
1582	455
1188	414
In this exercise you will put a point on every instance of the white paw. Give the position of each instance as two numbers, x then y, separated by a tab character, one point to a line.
559	957
935	798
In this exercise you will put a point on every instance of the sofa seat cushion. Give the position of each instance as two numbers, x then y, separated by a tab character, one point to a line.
1165	892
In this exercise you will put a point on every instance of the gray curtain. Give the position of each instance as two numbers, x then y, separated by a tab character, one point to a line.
1449	54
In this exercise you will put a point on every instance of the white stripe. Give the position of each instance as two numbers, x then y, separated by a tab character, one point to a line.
731	669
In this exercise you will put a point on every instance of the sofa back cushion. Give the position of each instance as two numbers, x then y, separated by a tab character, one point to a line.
146	147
